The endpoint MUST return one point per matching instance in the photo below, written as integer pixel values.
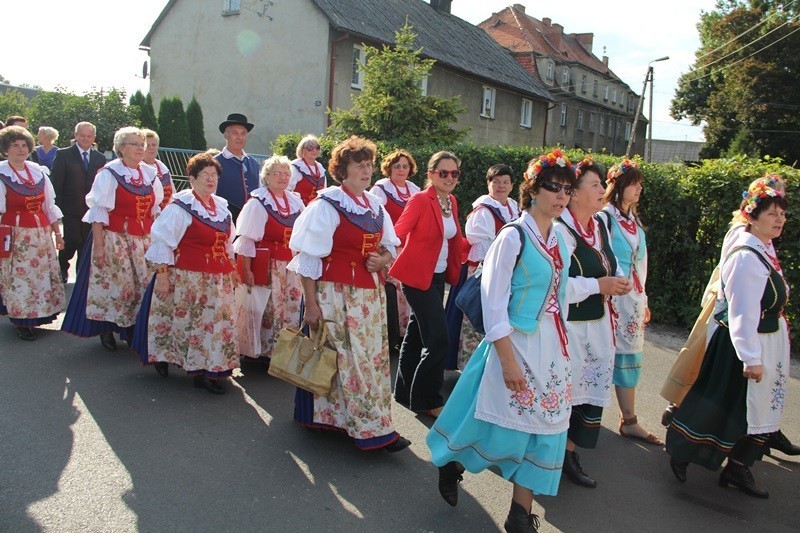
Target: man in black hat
(239, 171)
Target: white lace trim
(295, 202)
(36, 171)
(96, 214)
(245, 246)
(526, 428)
(391, 188)
(186, 196)
(345, 200)
(486, 199)
(160, 254)
(306, 265)
(148, 172)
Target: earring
(533, 200)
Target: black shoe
(740, 476)
(64, 276)
(520, 521)
(449, 478)
(400, 444)
(26, 334)
(108, 341)
(162, 368)
(780, 442)
(572, 468)
(678, 469)
(666, 416)
(214, 386)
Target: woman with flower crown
(511, 406)
(739, 395)
(594, 277)
(621, 217)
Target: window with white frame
(584, 83)
(563, 114)
(487, 104)
(231, 7)
(526, 113)
(622, 99)
(605, 93)
(550, 70)
(595, 88)
(580, 119)
(565, 77)
(627, 131)
(424, 86)
(591, 122)
(357, 73)
(614, 96)
(610, 127)
(602, 125)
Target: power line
(745, 32)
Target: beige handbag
(308, 363)
(686, 367)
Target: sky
(84, 44)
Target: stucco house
(594, 108)
(284, 62)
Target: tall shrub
(194, 118)
(173, 128)
(148, 114)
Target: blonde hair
(270, 164)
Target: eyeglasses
(401, 166)
(140, 145)
(556, 187)
(444, 173)
(207, 175)
(312, 147)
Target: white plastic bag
(250, 305)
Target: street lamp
(648, 77)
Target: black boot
(520, 521)
(780, 442)
(572, 468)
(162, 368)
(108, 341)
(449, 477)
(666, 416)
(678, 469)
(740, 476)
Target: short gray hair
(271, 163)
(150, 134)
(80, 125)
(303, 142)
(50, 133)
(124, 133)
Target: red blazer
(421, 230)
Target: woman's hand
(99, 255)
(249, 277)
(162, 288)
(235, 278)
(513, 376)
(376, 262)
(755, 372)
(59, 242)
(312, 314)
(614, 286)
(646, 315)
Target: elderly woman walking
(122, 204)
(31, 292)
(161, 170)
(308, 174)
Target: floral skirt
(530, 458)
(360, 402)
(193, 327)
(30, 280)
(283, 306)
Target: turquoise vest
(773, 300)
(586, 262)
(531, 285)
(623, 250)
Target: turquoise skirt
(533, 461)
(627, 369)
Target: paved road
(91, 441)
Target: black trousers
(75, 234)
(420, 371)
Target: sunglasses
(444, 173)
(312, 147)
(556, 187)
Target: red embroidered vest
(277, 232)
(308, 186)
(24, 204)
(133, 208)
(203, 247)
(393, 206)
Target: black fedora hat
(235, 118)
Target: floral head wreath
(620, 169)
(583, 165)
(758, 190)
(554, 158)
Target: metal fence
(176, 159)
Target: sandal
(648, 439)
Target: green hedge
(686, 212)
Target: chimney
(586, 40)
(605, 60)
(519, 7)
(554, 34)
(442, 6)
(546, 21)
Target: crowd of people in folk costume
(563, 277)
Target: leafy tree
(109, 112)
(3, 79)
(391, 105)
(136, 103)
(744, 82)
(12, 102)
(197, 134)
(148, 115)
(173, 127)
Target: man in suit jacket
(73, 173)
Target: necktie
(86, 161)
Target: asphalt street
(91, 441)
